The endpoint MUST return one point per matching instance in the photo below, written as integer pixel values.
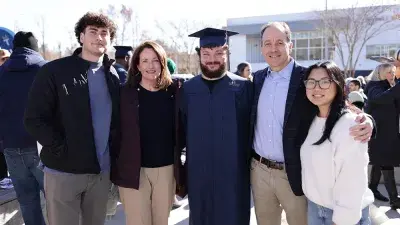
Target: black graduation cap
(122, 51)
(213, 36)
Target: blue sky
(61, 15)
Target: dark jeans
(27, 179)
(3, 166)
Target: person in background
(244, 70)
(173, 70)
(331, 160)
(20, 149)
(346, 85)
(4, 55)
(4, 180)
(355, 85)
(171, 66)
(396, 63)
(383, 104)
(356, 99)
(73, 112)
(123, 55)
(362, 81)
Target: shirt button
(270, 141)
(269, 125)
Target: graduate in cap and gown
(123, 55)
(215, 112)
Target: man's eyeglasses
(323, 84)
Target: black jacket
(16, 77)
(384, 106)
(58, 114)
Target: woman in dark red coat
(148, 162)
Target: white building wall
(269, 18)
(237, 47)
(238, 50)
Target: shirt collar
(286, 72)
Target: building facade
(309, 43)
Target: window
(302, 43)
(315, 53)
(310, 45)
(316, 43)
(387, 50)
(253, 50)
(301, 54)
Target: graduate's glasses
(323, 84)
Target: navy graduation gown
(218, 149)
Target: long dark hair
(134, 75)
(338, 105)
(240, 68)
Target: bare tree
(128, 19)
(137, 34)
(16, 26)
(184, 46)
(350, 30)
(59, 49)
(113, 14)
(41, 25)
(73, 43)
(126, 13)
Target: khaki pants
(152, 203)
(271, 193)
(74, 199)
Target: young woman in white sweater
(334, 165)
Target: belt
(269, 163)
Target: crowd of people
(299, 139)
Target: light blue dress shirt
(271, 113)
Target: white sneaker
(6, 181)
(6, 186)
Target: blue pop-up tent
(6, 38)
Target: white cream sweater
(334, 174)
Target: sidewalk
(380, 214)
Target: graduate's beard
(212, 74)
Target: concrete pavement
(380, 214)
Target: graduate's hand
(363, 130)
